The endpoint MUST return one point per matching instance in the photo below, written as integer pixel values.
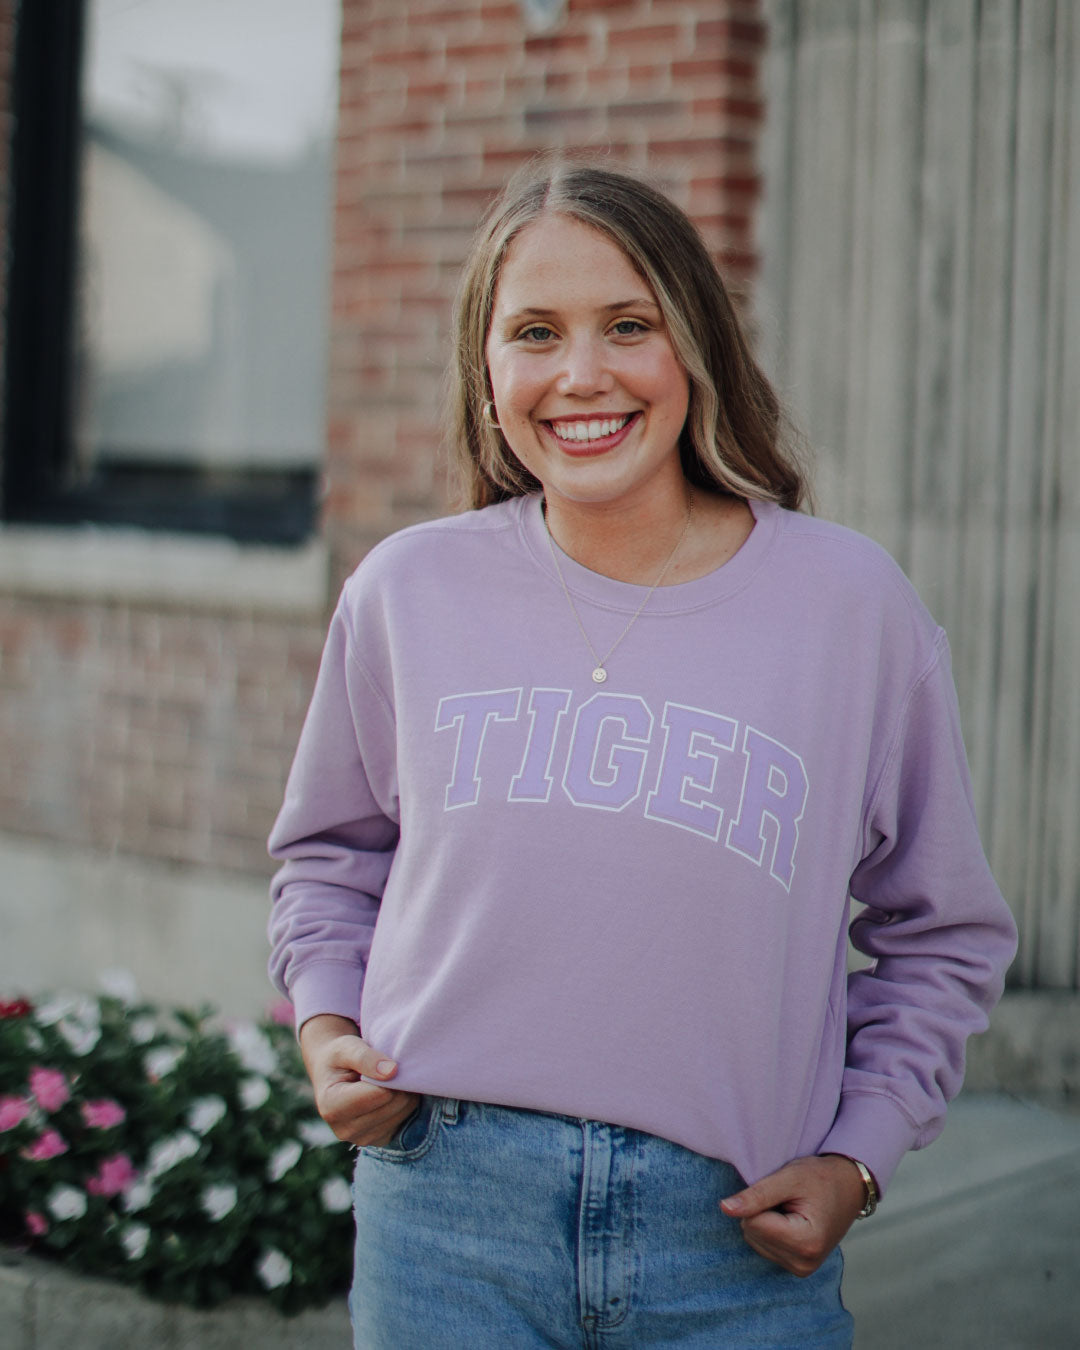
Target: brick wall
(158, 733)
(440, 101)
(168, 733)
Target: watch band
(871, 1189)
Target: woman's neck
(632, 543)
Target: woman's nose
(585, 370)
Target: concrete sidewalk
(978, 1242)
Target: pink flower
(283, 1013)
(37, 1224)
(103, 1113)
(46, 1146)
(50, 1088)
(113, 1176)
(15, 1007)
(12, 1111)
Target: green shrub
(171, 1150)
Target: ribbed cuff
(327, 987)
(870, 1127)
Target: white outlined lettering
(686, 783)
(774, 792)
(472, 714)
(533, 781)
(610, 743)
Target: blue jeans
(486, 1228)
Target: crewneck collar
(728, 579)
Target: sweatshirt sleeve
(938, 931)
(334, 837)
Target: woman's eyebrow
(537, 312)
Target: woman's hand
(797, 1215)
(335, 1057)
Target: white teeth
(593, 430)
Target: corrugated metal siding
(920, 307)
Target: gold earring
(489, 416)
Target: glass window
(189, 356)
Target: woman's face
(588, 390)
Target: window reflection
(204, 233)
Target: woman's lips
(597, 437)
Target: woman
(589, 776)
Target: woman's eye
(628, 327)
(538, 333)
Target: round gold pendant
(599, 674)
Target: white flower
(335, 1195)
(275, 1269)
(45, 1014)
(134, 1238)
(254, 1091)
(317, 1134)
(252, 1048)
(65, 1202)
(283, 1159)
(82, 1037)
(218, 1201)
(166, 1153)
(119, 984)
(161, 1062)
(76, 1007)
(143, 1029)
(138, 1195)
(205, 1112)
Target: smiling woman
(588, 391)
(569, 963)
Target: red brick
(471, 51)
(645, 109)
(561, 82)
(735, 109)
(713, 67)
(575, 44)
(646, 77)
(419, 58)
(709, 149)
(661, 37)
(745, 33)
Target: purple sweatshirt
(630, 902)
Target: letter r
(774, 795)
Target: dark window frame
(250, 505)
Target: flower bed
(170, 1151)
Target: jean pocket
(415, 1136)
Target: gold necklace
(599, 674)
